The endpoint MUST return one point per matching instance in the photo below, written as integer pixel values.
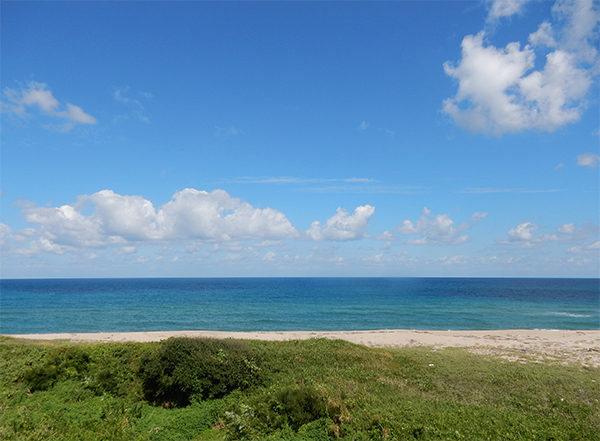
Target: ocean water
(287, 304)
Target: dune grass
(296, 390)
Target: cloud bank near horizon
(116, 220)
(195, 218)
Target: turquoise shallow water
(282, 304)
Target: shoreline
(579, 346)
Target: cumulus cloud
(120, 220)
(269, 257)
(590, 249)
(38, 95)
(129, 217)
(437, 230)
(588, 160)
(342, 226)
(218, 216)
(4, 230)
(524, 235)
(5, 233)
(574, 234)
(500, 92)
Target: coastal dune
(581, 347)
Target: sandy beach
(581, 347)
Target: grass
(300, 390)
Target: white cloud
(498, 92)
(342, 226)
(269, 243)
(4, 230)
(478, 215)
(377, 258)
(270, 256)
(130, 217)
(126, 250)
(454, 260)
(37, 95)
(218, 216)
(76, 114)
(5, 234)
(119, 220)
(386, 236)
(524, 235)
(436, 230)
(590, 249)
(65, 226)
(588, 160)
(504, 8)
(571, 233)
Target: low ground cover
(199, 389)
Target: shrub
(64, 363)
(300, 406)
(293, 410)
(183, 369)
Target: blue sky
(432, 138)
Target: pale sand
(580, 347)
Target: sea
(292, 304)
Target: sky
(284, 139)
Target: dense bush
(69, 363)
(292, 409)
(102, 368)
(183, 369)
(297, 407)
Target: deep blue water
(281, 304)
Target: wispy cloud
(506, 190)
(371, 189)
(225, 131)
(37, 95)
(330, 185)
(365, 125)
(293, 180)
(137, 109)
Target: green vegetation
(203, 389)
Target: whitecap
(568, 314)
